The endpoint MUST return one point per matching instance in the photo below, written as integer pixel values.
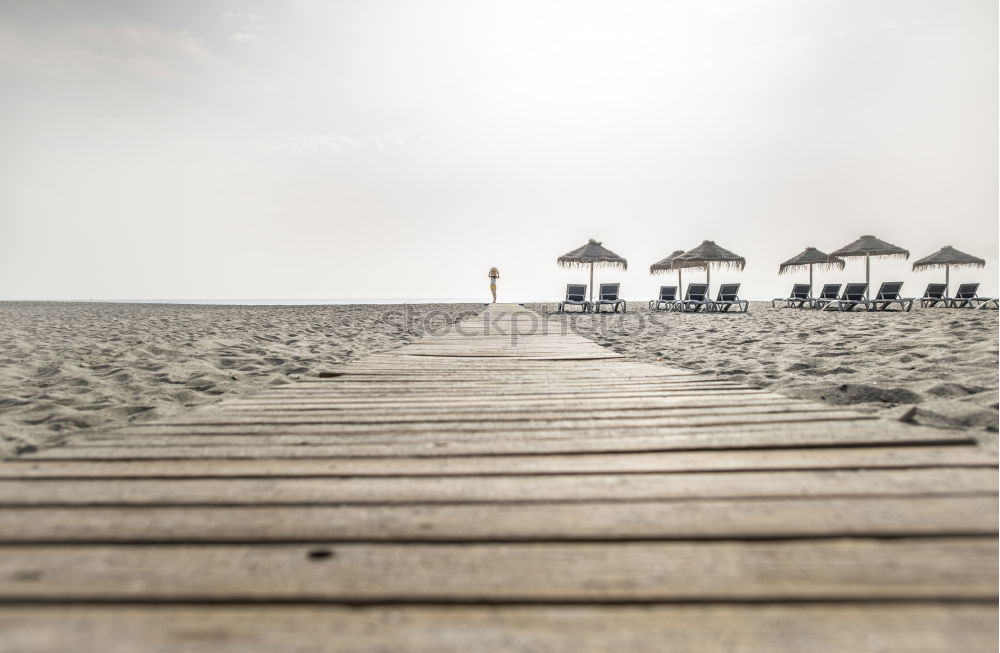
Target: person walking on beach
(494, 275)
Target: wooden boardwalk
(482, 490)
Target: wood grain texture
(504, 485)
(816, 628)
(549, 521)
(849, 569)
(670, 461)
(474, 488)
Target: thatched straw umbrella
(591, 254)
(946, 257)
(667, 265)
(809, 257)
(869, 246)
(709, 255)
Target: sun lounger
(986, 301)
(888, 294)
(935, 294)
(727, 298)
(608, 297)
(827, 294)
(797, 298)
(695, 298)
(852, 297)
(666, 299)
(966, 297)
(576, 295)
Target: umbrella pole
(708, 281)
(591, 282)
(947, 279)
(680, 285)
(810, 279)
(868, 281)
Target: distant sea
(282, 302)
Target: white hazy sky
(241, 149)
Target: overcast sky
(243, 149)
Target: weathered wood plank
(674, 461)
(303, 438)
(520, 443)
(453, 470)
(594, 402)
(414, 439)
(466, 489)
(607, 521)
(549, 411)
(850, 569)
(817, 628)
(542, 405)
(567, 427)
(390, 422)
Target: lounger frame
(936, 293)
(608, 296)
(727, 298)
(695, 298)
(666, 300)
(797, 298)
(966, 297)
(852, 297)
(829, 293)
(887, 295)
(576, 295)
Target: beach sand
(935, 366)
(65, 367)
(71, 366)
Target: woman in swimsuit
(494, 275)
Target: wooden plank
(606, 521)
(206, 423)
(496, 440)
(787, 433)
(539, 405)
(234, 438)
(593, 401)
(461, 490)
(392, 423)
(817, 628)
(674, 461)
(485, 378)
(849, 569)
(420, 390)
(471, 489)
(521, 443)
(646, 412)
(391, 362)
(402, 367)
(519, 410)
